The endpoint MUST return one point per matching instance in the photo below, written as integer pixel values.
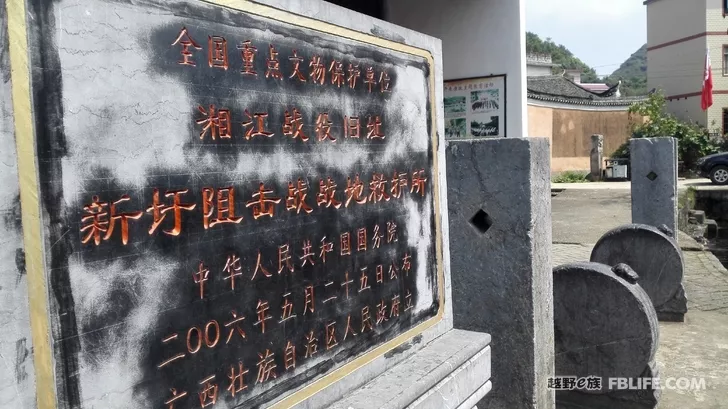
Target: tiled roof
(556, 88)
(594, 87)
(542, 64)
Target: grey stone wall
(500, 242)
(654, 181)
(17, 377)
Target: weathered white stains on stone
(419, 232)
(124, 118)
(410, 95)
(111, 376)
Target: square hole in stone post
(481, 221)
(652, 176)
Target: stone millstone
(655, 256)
(604, 322)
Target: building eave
(574, 107)
(617, 102)
(542, 64)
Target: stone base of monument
(639, 394)
(453, 371)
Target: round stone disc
(655, 257)
(604, 325)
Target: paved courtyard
(696, 348)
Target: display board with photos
(475, 108)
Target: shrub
(693, 141)
(622, 152)
(570, 176)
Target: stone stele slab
(228, 203)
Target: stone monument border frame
(294, 14)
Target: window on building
(725, 59)
(725, 7)
(725, 121)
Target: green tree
(632, 73)
(693, 141)
(559, 55)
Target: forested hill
(559, 55)
(632, 72)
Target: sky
(602, 33)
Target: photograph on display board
(455, 107)
(475, 107)
(483, 126)
(455, 128)
(485, 101)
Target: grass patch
(570, 176)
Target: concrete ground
(696, 348)
(683, 183)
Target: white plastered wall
(479, 38)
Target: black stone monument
(233, 203)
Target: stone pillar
(596, 157)
(500, 244)
(654, 182)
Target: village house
(568, 112)
(676, 55)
